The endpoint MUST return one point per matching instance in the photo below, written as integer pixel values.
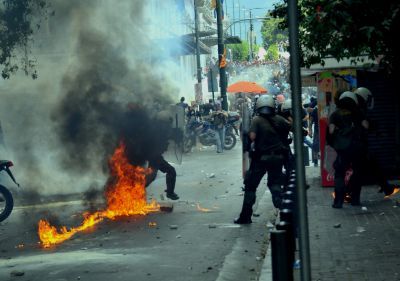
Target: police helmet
(364, 93)
(265, 104)
(349, 95)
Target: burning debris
(395, 190)
(125, 195)
(202, 209)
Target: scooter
(6, 199)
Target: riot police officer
(345, 137)
(267, 133)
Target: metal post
(240, 25)
(196, 28)
(301, 199)
(212, 84)
(222, 73)
(233, 16)
(291, 244)
(279, 256)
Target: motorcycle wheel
(230, 141)
(6, 203)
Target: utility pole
(251, 38)
(233, 17)
(222, 73)
(196, 28)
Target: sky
(241, 29)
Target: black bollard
(288, 194)
(291, 240)
(282, 270)
(287, 204)
(291, 187)
(286, 215)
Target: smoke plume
(98, 85)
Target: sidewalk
(353, 243)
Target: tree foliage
(271, 32)
(347, 29)
(272, 52)
(18, 20)
(240, 52)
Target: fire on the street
(201, 209)
(395, 190)
(125, 195)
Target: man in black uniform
(372, 167)
(267, 133)
(345, 137)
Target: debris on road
(173, 226)
(212, 225)
(364, 208)
(337, 225)
(167, 207)
(17, 273)
(360, 229)
(152, 224)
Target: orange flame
(395, 190)
(125, 195)
(202, 209)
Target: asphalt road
(204, 245)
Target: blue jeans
(220, 138)
(307, 141)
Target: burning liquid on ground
(125, 195)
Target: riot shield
(175, 146)
(246, 121)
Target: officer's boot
(355, 196)
(247, 208)
(339, 199)
(276, 192)
(171, 179)
(340, 188)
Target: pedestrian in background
(208, 108)
(183, 104)
(313, 132)
(218, 119)
(268, 132)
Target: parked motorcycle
(233, 122)
(6, 199)
(204, 132)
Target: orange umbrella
(246, 87)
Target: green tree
(272, 52)
(347, 29)
(272, 33)
(240, 52)
(18, 19)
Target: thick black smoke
(106, 102)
